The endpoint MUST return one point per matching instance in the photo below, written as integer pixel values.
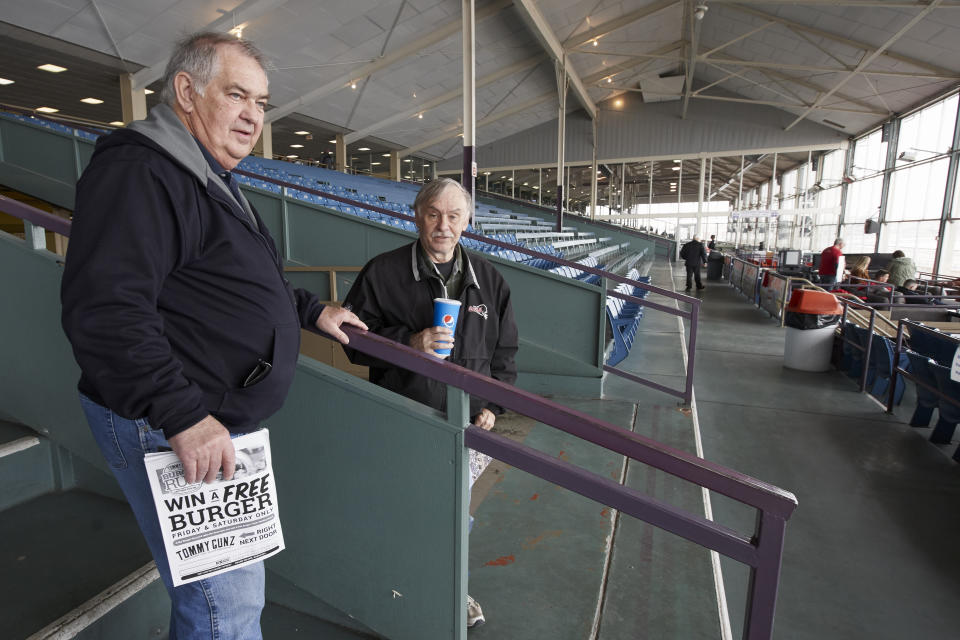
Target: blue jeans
(224, 607)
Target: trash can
(715, 266)
(811, 322)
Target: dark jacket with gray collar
(393, 295)
(173, 290)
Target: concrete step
(26, 470)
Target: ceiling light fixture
(595, 42)
(147, 92)
(609, 79)
(291, 157)
(420, 115)
(407, 160)
(4, 81)
(46, 109)
(92, 100)
(296, 146)
(300, 133)
(332, 141)
(364, 149)
(374, 164)
(236, 32)
(353, 84)
(52, 68)
(116, 123)
(675, 168)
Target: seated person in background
(877, 293)
(901, 268)
(911, 296)
(858, 269)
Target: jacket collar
(165, 129)
(469, 276)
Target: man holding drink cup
(434, 297)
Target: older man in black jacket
(694, 256)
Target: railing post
(866, 352)
(895, 369)
(458, 415)
(691, 350)
(764, 578)
(35, 236)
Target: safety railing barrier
(852, 341)
(692, 315)
(899, 348)
(745, 277)
(761, 551)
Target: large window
(916, 239)
(928, 132)
(863, 199)
(869, 155)
(916, 192)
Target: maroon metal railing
(761, 551)
(686, 394)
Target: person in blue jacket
(176, 305)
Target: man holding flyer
(175, 303)
(434, 297)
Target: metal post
(540, 186)
(948, 195)
(764, 577)
(895, 371)
(889, 165)
(469, 100)
(593, 172)
(562, 83)
(698, 230)
(35, 236)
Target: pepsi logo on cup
(448, 321)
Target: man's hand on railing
(332, 317)
(485, 419)
(432, 338)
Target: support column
(703, 176)
(540, 186)
(513, 183)
(893, 135)
(341, 154)
(948, 197)
(395, 166)
(264, 146)
(593, 170)
(562, 84)
(469, 99)
(133, 101)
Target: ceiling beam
(787, 105)
(246, 12)
(863, 46)
(442, 99)
(433, 37)
(693, 45)
(453, 132)
(541, 29)
(617, 23)
(774, 74)
(817, 69)
(635, 61)
(867, 59)
(891, 4)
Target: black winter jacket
(173, 291)
(693, 254)
(394, 298)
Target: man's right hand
(432, 338)
(203, 449)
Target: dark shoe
(686, 288)
(701, 287)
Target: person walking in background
(713, 243)
(694, 256)
(830, 259)
(901, 268)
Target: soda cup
(445, 314)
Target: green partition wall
(373, 487)
(561, 321)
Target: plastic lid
(810, 301)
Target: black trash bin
(715, 266)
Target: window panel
(863, 199)
(930, 130)
(916, 239)
(869, 155)
(916, 192)
(950, 261)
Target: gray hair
(432, 190)
(838, 242)
(198, 56)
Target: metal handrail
(762, 551)
(897, 371)
(693, 315)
